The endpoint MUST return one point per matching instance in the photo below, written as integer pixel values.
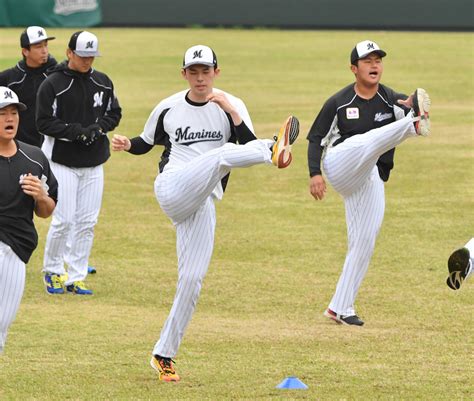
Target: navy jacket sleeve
(110, 120)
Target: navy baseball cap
(8, 97)
(199, 54)
(33, 35)
(363, 49)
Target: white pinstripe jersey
(187, 129)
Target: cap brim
(42, 40)
(21, 106)
(198, 63)
(86, 54)
(380, 52)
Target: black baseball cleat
(459, 264)
(350, 320)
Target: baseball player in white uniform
(353, 140)
(460, 265)
(198, 128)
(27, 186)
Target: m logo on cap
(8, 94)
(90, 45)
(197, 53)
(370, 45)
(40, 33)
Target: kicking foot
(421, 108)
(281, 151)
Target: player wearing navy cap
(27, 186)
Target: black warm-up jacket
(25, 81)
(69, 102)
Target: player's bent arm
(236, 119)
(46, 122)
(221, 100)
(243, 133)
(44, 204)
(110, 120)
(44, 207)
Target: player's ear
(354, 69)
(217, 71)
(183, 73)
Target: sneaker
(79, 288)
(54, 284)
(352, 320)
(421, 108)
(91, 270)
(459, 264)
(281, 151)
(165, 368)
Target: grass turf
(278, 253)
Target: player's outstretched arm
(120, 142)
(317, 187)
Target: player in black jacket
(27, 186)
(26, 77)
(353, 140)
(77, 106)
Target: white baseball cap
(364, 48)
(33, 35)
(199, 54)
(84, 44)
(8, 97)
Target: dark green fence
(313, 14)
(345, 14)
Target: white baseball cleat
(281, 151)
(421, 108)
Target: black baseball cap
(363, 49)
(33, 35)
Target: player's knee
(85, 226)
(191, 281)
(62, 226)
(366, 241)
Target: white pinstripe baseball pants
(350, 167)
(79, 200)
(185, 197)
(470, 247)
(12, 284)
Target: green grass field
(278, 253)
